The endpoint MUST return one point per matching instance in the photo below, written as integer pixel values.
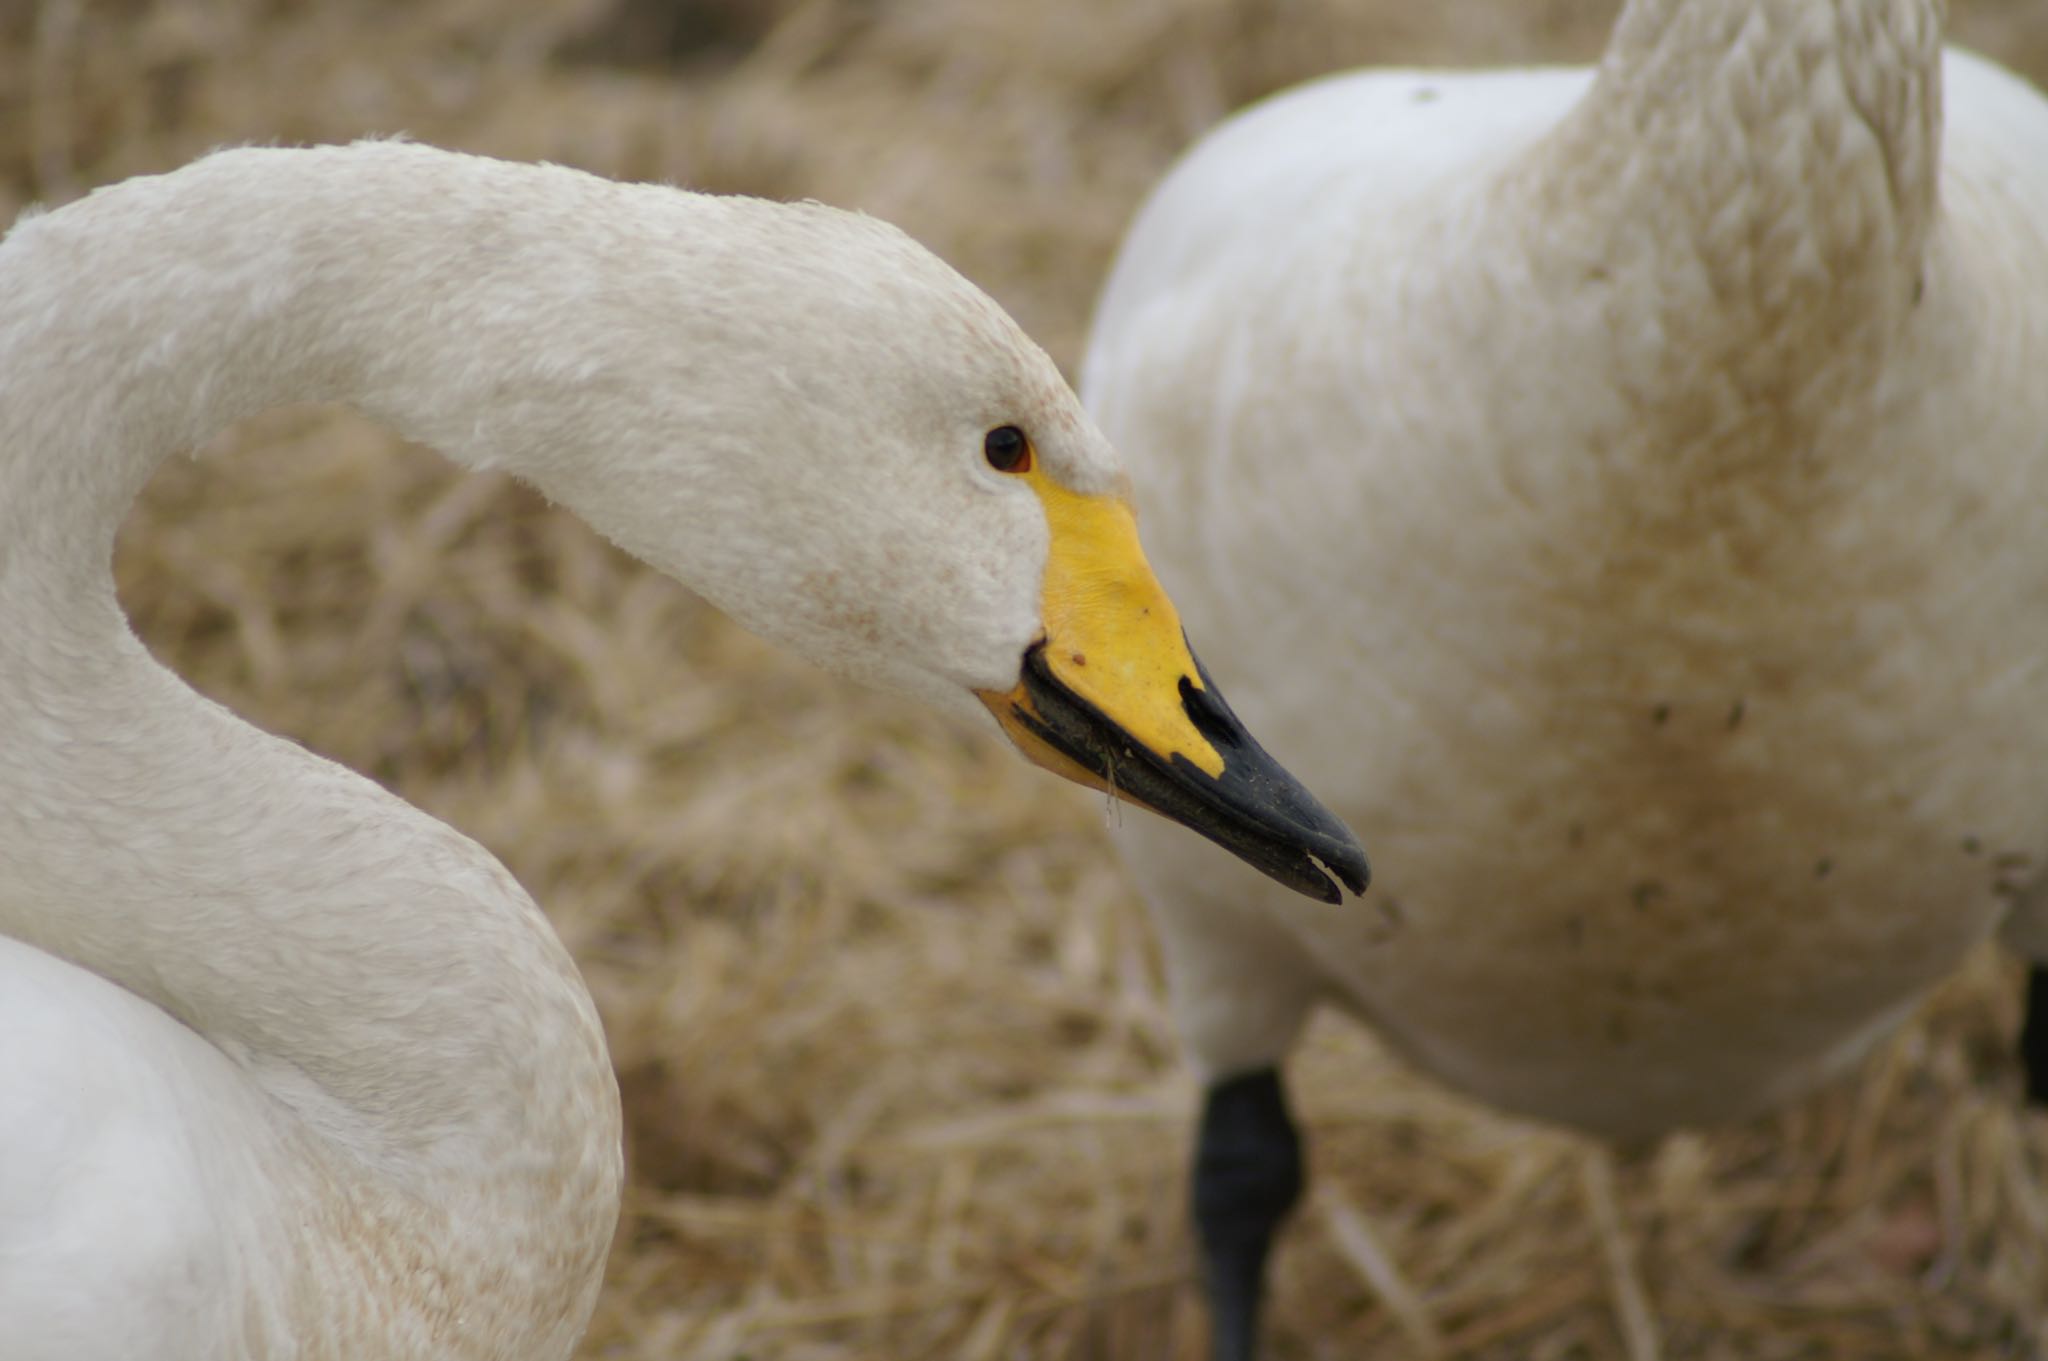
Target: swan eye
(1007, 450)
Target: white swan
(292, 1070)
(1655, 456)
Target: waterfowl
(293, 1070)
(1651, 459)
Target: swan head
(853, 451)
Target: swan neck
(1776, 129)
(1742, 206)
(376, 975)
(150, 316)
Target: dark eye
(1007, 450)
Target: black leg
(2034, 1036)
(1248, 1175)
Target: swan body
(295, 1071)
(1654, 457)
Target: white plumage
(1619, 492)
(292, 1070)
(1651, 461)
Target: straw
(899, 1074)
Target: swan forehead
(1076, 455)
(1074, 452)
(982, 355)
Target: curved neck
(1737, 217)
(1795, 104)
(429, 290)
(377, 973)
(1775, 162)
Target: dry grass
(899, 1078)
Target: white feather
(292, 1070)
(1617, 493)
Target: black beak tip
(1352, 868)
(1337, 858)
(1252, 808)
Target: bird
(1617, 489)
(294, 1070)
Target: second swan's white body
(1655, 459)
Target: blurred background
(898, 1075)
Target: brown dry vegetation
(898, 1075)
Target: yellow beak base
(1112, 697)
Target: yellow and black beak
(1112, 696)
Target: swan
(1653, 457)
(293, 1070)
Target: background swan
(299, 1071)
(1655, 456)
